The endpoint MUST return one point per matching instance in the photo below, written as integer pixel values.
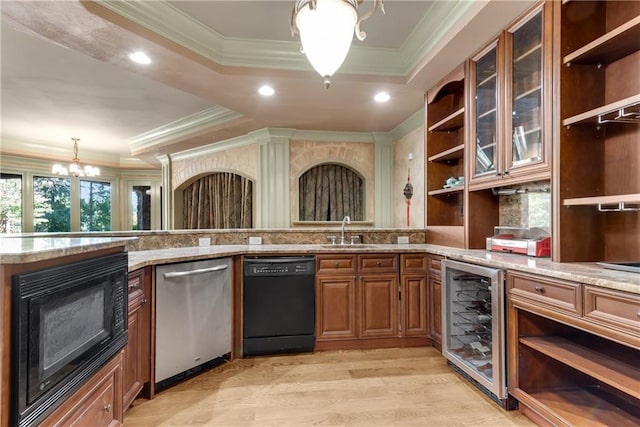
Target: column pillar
(383, 194)
(272, 188)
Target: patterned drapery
(328, 192)
(219, 200)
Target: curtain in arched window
(329, 192)
(219, 200)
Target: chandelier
(74, 168)
(326, 29)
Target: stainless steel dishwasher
(193, 318)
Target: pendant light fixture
(75, 169)
(326, 29)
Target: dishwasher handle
(174, 274)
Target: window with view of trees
(10, 203)
(51, 204)
(95, 206)
(141, 207)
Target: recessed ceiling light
(140, 57)
(266, 90)
(382, 97)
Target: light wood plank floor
(402, 387)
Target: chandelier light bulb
(75, 169)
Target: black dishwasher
(278, 305)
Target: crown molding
(182, 128)
(170, 22)
(413, 122)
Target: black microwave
(67, 322)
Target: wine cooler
(473, 336)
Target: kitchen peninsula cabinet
(137, 352)
(510, 113)
(598, 162)
(358, 305)
(587, 337)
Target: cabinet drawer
(335, 264)
(618, 310)
(435, 262)
(378, 263)
(135, 289)
(414, 263)
(560, 295)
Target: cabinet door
(484, 84)
(526, 88)
(414, 305)
(335, 307)
(132, 365)
(435, 309)
(378, 306)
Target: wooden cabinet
(444, 152)
(98, 403)
(510, 113)
(137, 352)
(360, 303)
(434, 297)
(413, 277)
(335, 307)
(598, 156)
(591, 350)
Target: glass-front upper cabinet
(526, 63)
(512, 96)
(484, 72)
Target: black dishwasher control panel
(281, 266)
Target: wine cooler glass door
(473, 320)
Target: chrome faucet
(346, 220)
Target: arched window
(328, 192)
(219, 200)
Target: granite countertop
(30, 249)
(586, 272)
(18, 250)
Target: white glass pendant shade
(326, 33)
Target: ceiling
(65, 72)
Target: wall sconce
(326, 29)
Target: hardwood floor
(402, 387)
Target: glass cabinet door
(526, 93)
(486, 113)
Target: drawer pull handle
(378, 263)
(107, 407)
(337, 264)
(133, 287)
(144, 301)
(539, 289)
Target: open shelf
(612, 46)
(602, 200)
(446, 191)
(452, 122)
(591, 117)
(456, 152)
(583, 406)
(604, 368)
